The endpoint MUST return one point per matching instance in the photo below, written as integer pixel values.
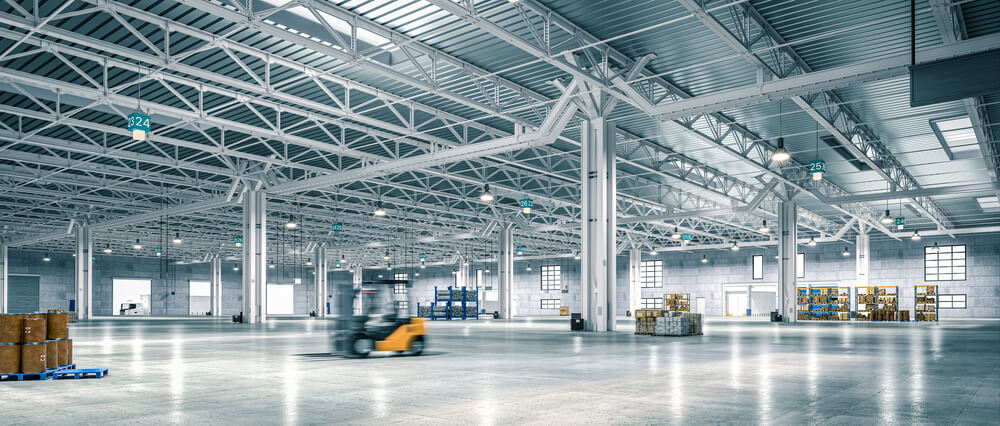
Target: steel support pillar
(3, 279)
(84, 272)
(357, 279)
(216, 284)
(634, 282)
(255, 257)
(506, 269)
(320, 267)
(598, 227)
(787, 250)
(863, 260)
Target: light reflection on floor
(496, 372)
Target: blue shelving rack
(451, 302)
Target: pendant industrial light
(107, 249)
(46, 258)
(137, 245)
(936, 248)
(676, 235)
(817, 167)
(309, 262)
(781, 154)
(887, 218)
(812, 242)
(386, 256)
(528, 268)
(486, 196)
(236, 267)
(576, 255)
(846, 252)
(916, 236)
(379, 210)
(271, 265)
(177, 238)
(704, 258)
(291, 223)
(763, 227)
(735, 246)
(652, 251)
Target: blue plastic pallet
(34, 376)
(80, 374)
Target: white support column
(3, 279)
(506, 269)
(598, 227)
(255, 257)
(84, 273)
(634, 283)
(787, 250)
(216, 286)
(319, 260)
(863, 260)
(358, 279)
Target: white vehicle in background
(131, 308)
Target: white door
(699, 305)
(280, 299)
(200, 298)
(736, 304)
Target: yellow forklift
(390, 330)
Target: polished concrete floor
(524, 372)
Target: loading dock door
(22, 294)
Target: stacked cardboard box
(673, 326)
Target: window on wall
(651, 303)
(944, 263)
(951, 301)
(551, 303)
(401, 305)
(757, 267)
(399, 288)
(551, 278)
(800, 265)
(651, 273)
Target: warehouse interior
(500, 211)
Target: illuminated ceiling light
(465, 263)
(270, 266)
(676, 235)
(386, 257)
(351, 270)
(291, 224)
(652, 251)
(486, 196)
(297, 280)
(916, 236)
(526, 205)
(528, 268)
(781, 154)
(936, 248)
(704, 258)
(735, 246)
(236, 267)
(309, 262)
(177, 238)
(388, 267)
(137, 246)
(46, 258)
(487, 270)
(846, 252)
(812, 242)
(887, 218)
(454, 272)
(107, 250)
(379, 210)
(416, 274)
(763, 227)
(576, 255)
(422, 266)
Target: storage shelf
(823, 303)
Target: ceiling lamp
(846, 252)
(379, 210)
(297, 280)
(936, 248)
(137, 246)
(526, 205)
(386, 257)
(270, 265)
(781, 154)
(676, 235)
(46, 258)
(528, 268)
(812, 242)
(704, 258)
(416, 274)
(486, 196)
(652, 251)
(177, 238)
(763, 227)
(735, 246)
(916, 236)
(576, 255)
(236, 267)
(388, 267)
(107, 250)
(422, 266)
(309, 262)
(887, 218)
(454, 272)
(291, 223)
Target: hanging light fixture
(812, 242)
(107, 250)
(297, 280)
(652, 251)
(386, 256)
(291, 223)
(763, 227)
(576, 255)
(846, 252)
(936, 248)
(676, 235)
(137, 245)
(309, 262)
(526, 205)
(388, 267)
(887, 218)
(916, 236)
(781, 154)
(486, 196)
(236, 267)
(379, 210)
(528, 268)
(177, 238)
(46, 258)
(735, 246)
(704, 258)
(270, 265)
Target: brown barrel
(56, 326)
(35, 315)
(51, 354)
(10, 328)
(33, 330)
(63, 345)
(33, 357)
(69, 351)
(10, 358)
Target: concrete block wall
(55, 278)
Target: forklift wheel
(359, 345)
(417, 345)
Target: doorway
(200, 298)
(130, 297)
(22, 294)
(736, 303)
(280, 299)
(699, 306)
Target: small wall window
(401, 305)
(551, 303)
(551, 278)
(951, 301)
(944, 263)
(800, 265)
(757, 266)
(400, 288)
(651, 273)
(652, 303)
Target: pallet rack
(456, 305)
(676, 303)
(879, 303)
(823, 303)
(925, 302)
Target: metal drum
(33, 330)
(51, 354)
(35, 315)
(10, 358)
(63, 358)
(56, 326)
(69, 351)
(10, 328)
(33, 357)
